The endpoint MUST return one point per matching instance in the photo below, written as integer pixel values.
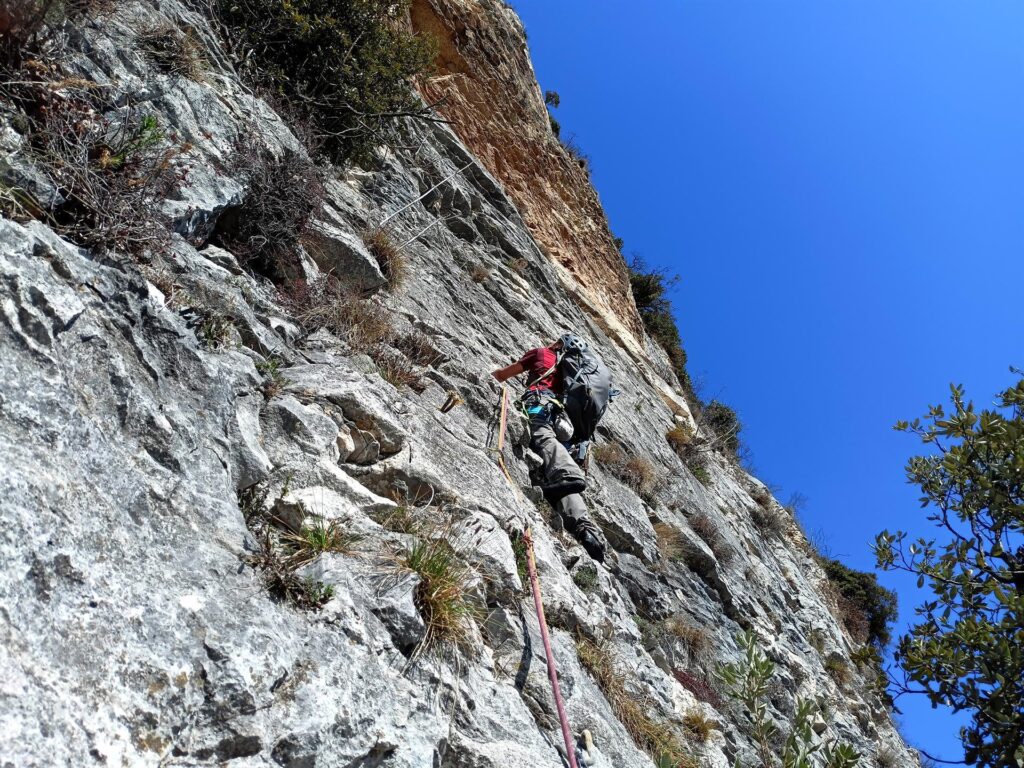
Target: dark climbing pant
(562, 479)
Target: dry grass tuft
(699, 686)
(838, 670)
(389, 256)
(419, 348)
(325, 303)
(671, 544)
(708, 530)
(656, 738)
(397, 370)
(679, 437)
(478, 273)
(696, 640)
(636, 472)
(174, 52)
(698, 727)
(443, 594)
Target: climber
(561, 478)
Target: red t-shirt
(539, 361)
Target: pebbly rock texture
(151, 413)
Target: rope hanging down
(531, 565)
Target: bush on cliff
(649, 287)
(344, 64)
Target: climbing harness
(531, 565)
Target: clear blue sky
(841, 187)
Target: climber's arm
(507, 373)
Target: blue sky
(840, 186)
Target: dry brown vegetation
(698, 727)
(708, 530)
(443, 595)
(656, 738)
(478, 273)
(173, 51)
(671, 544)
(282, 194)
(679, 437)
(636, 472)
(393, 263)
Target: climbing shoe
(590, 542)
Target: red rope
(552, 672)
(535, 585)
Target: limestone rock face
(150, 411)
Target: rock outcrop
(151, 412)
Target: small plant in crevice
(395, 369)
(698, 727)
(478, 273)
(280, 578)
(749, 682)
(215, 331)
(679, 437)
(816, 638)
(520, 266)
(585, 577)
(838, 670)
(418, 348)
(392, 262)
(400, 519)
(655, 737)
(519, 549)
(317, 538)
(697, 464)
(281, 552)
(671, 543)
(273, 379)
(699, 685)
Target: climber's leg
(561, 475)
(574, 515)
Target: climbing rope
(531, 565)
(552, 671)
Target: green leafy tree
(748, 682)
(967, 649)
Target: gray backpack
(586, 386)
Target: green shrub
(748, 682)
(344, 64)
(722, 420)
(863, 595)
(585, 577)
(649, 287)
